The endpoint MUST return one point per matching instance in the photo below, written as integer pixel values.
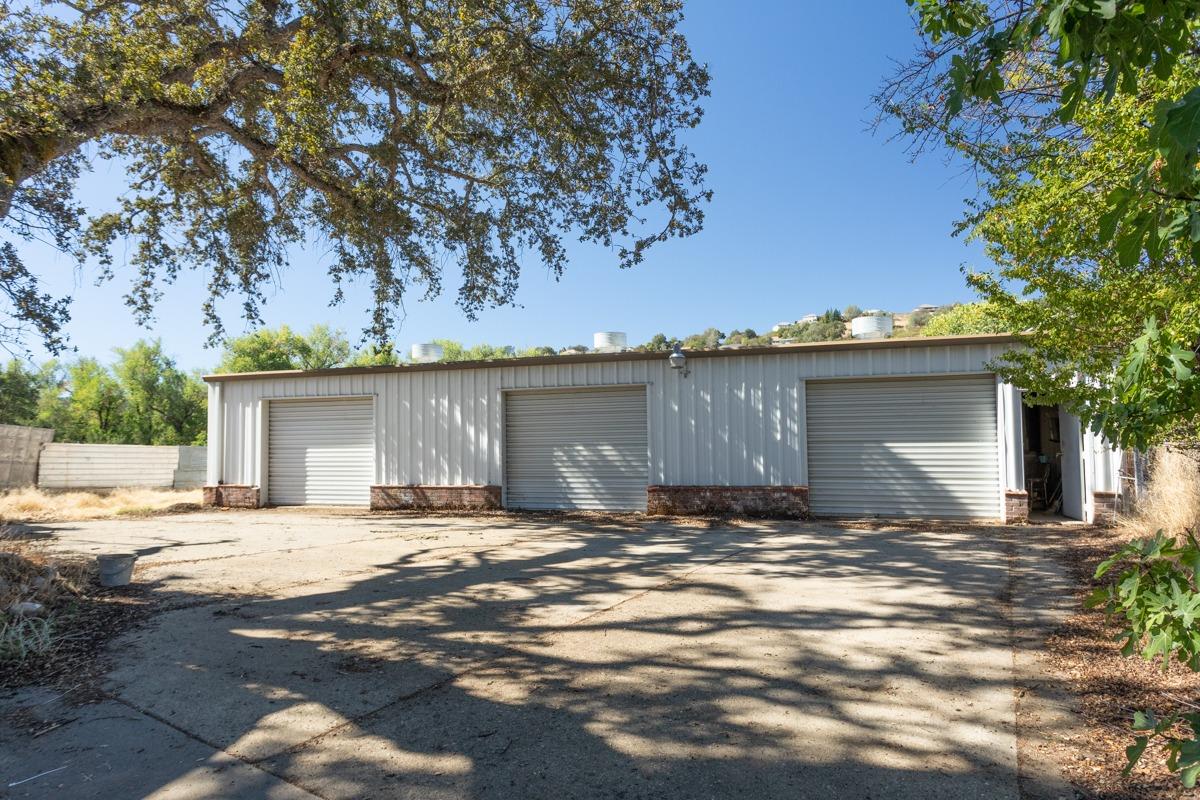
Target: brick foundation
(789, 502)
(467, 498)
(1104, 505)
(1016, 507)
(229, 495)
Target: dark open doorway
(1043, 459)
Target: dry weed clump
(1172, 499)
(55, 618)
(35, 591)
(38, 505)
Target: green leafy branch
(1156, 594)
(1156, 387)
(1183, 753)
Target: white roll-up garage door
(922, 448)
(576, 449)
(321, 452)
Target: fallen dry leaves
(1110, 687)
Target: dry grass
(37, 505)
(1172, 500)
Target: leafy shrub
(1157, 596)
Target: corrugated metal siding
(568, 448)
(732, 421)
(924, 448)
(321, 452)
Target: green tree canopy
(375, 355)
(660, 342)
(1080, 119)
(400, 136)
(543, 350)
(143, 398)
(263, 350)
(163, 404)
(457, 351)
(963, 319)
(708, 339)
(281, 348)
(93, 407)
(747, 338)
(20, 388)
(324, 348)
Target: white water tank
(608, 341)
(426, 353)
(875, 326)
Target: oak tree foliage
(402, 140)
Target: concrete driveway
(301, 654)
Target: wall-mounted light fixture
(678, 361)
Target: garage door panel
(321, 451)
(912, 447)
(581, 449)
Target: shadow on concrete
(635, 659)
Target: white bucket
(116, 569)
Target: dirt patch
(55, 618)
(1110, 687)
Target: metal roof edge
(630, 355)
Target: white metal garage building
(896, 427)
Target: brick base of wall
(231, 496)
(467, 498)
(1104, 505)
(1016, 507)
(788, 502)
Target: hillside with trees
(143, 397)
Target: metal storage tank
(427, 353)
(871, 327)
(608, 341)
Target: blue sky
(811, 210)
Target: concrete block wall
(111, 466)
(20, 447)
(193, 465)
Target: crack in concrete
(200, 739)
